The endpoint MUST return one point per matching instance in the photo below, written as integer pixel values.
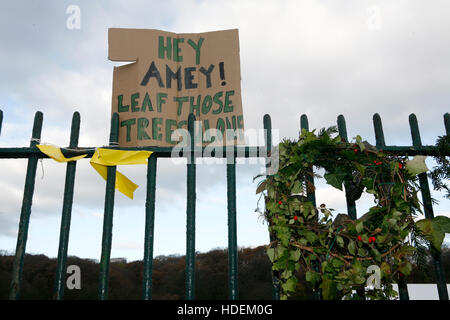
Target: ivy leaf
(335, 179)
(359, 227)
(340, 241)
(295, 255)
(362, 252)
(310, 236)
(351, 247)
(286, 274)
(290, 284)
(442, 222)
(271, 254)
(432, 232)
(358, 140)
(312, 277)
(360, 167)
(405, 267)
(328, 288)
(417, 165)
(297, 188)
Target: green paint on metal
(267, 123)
(149, 226)
(310, 195)
(351, 205)
(447, 123)
(1, 121)
(379, 135)
(108, 215)
(66, 211)
(232, 233)
(33, 154)
(429, 214)
(166, 152)
(25, 211)
(381, 144)
(190, 215)
(342, 128)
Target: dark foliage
(168, 276)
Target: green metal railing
(33, 154)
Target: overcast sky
(320, 58)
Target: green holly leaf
(417, 165)
(335, 179)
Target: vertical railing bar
(310, 194)
(311, 197)
(190, 214)
(447, 123)
(25, 213)
(233, 292)
(429, 214)
(149, 226)
(108, 214)
(351, 205)
(378, 128)
(380, 144)
(66, 211)
(1, 120)
(267, 123)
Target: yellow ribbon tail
(56, 154)
(103, 158)
(123, 184)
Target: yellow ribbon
(56, 154)
(103, 158)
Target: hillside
(168, 276)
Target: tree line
(126, 278)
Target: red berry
(375, 161)
(355, 150)
(295, 218)
(359, 238)
(279, 202)
(400, 166)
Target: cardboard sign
(173, 75)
